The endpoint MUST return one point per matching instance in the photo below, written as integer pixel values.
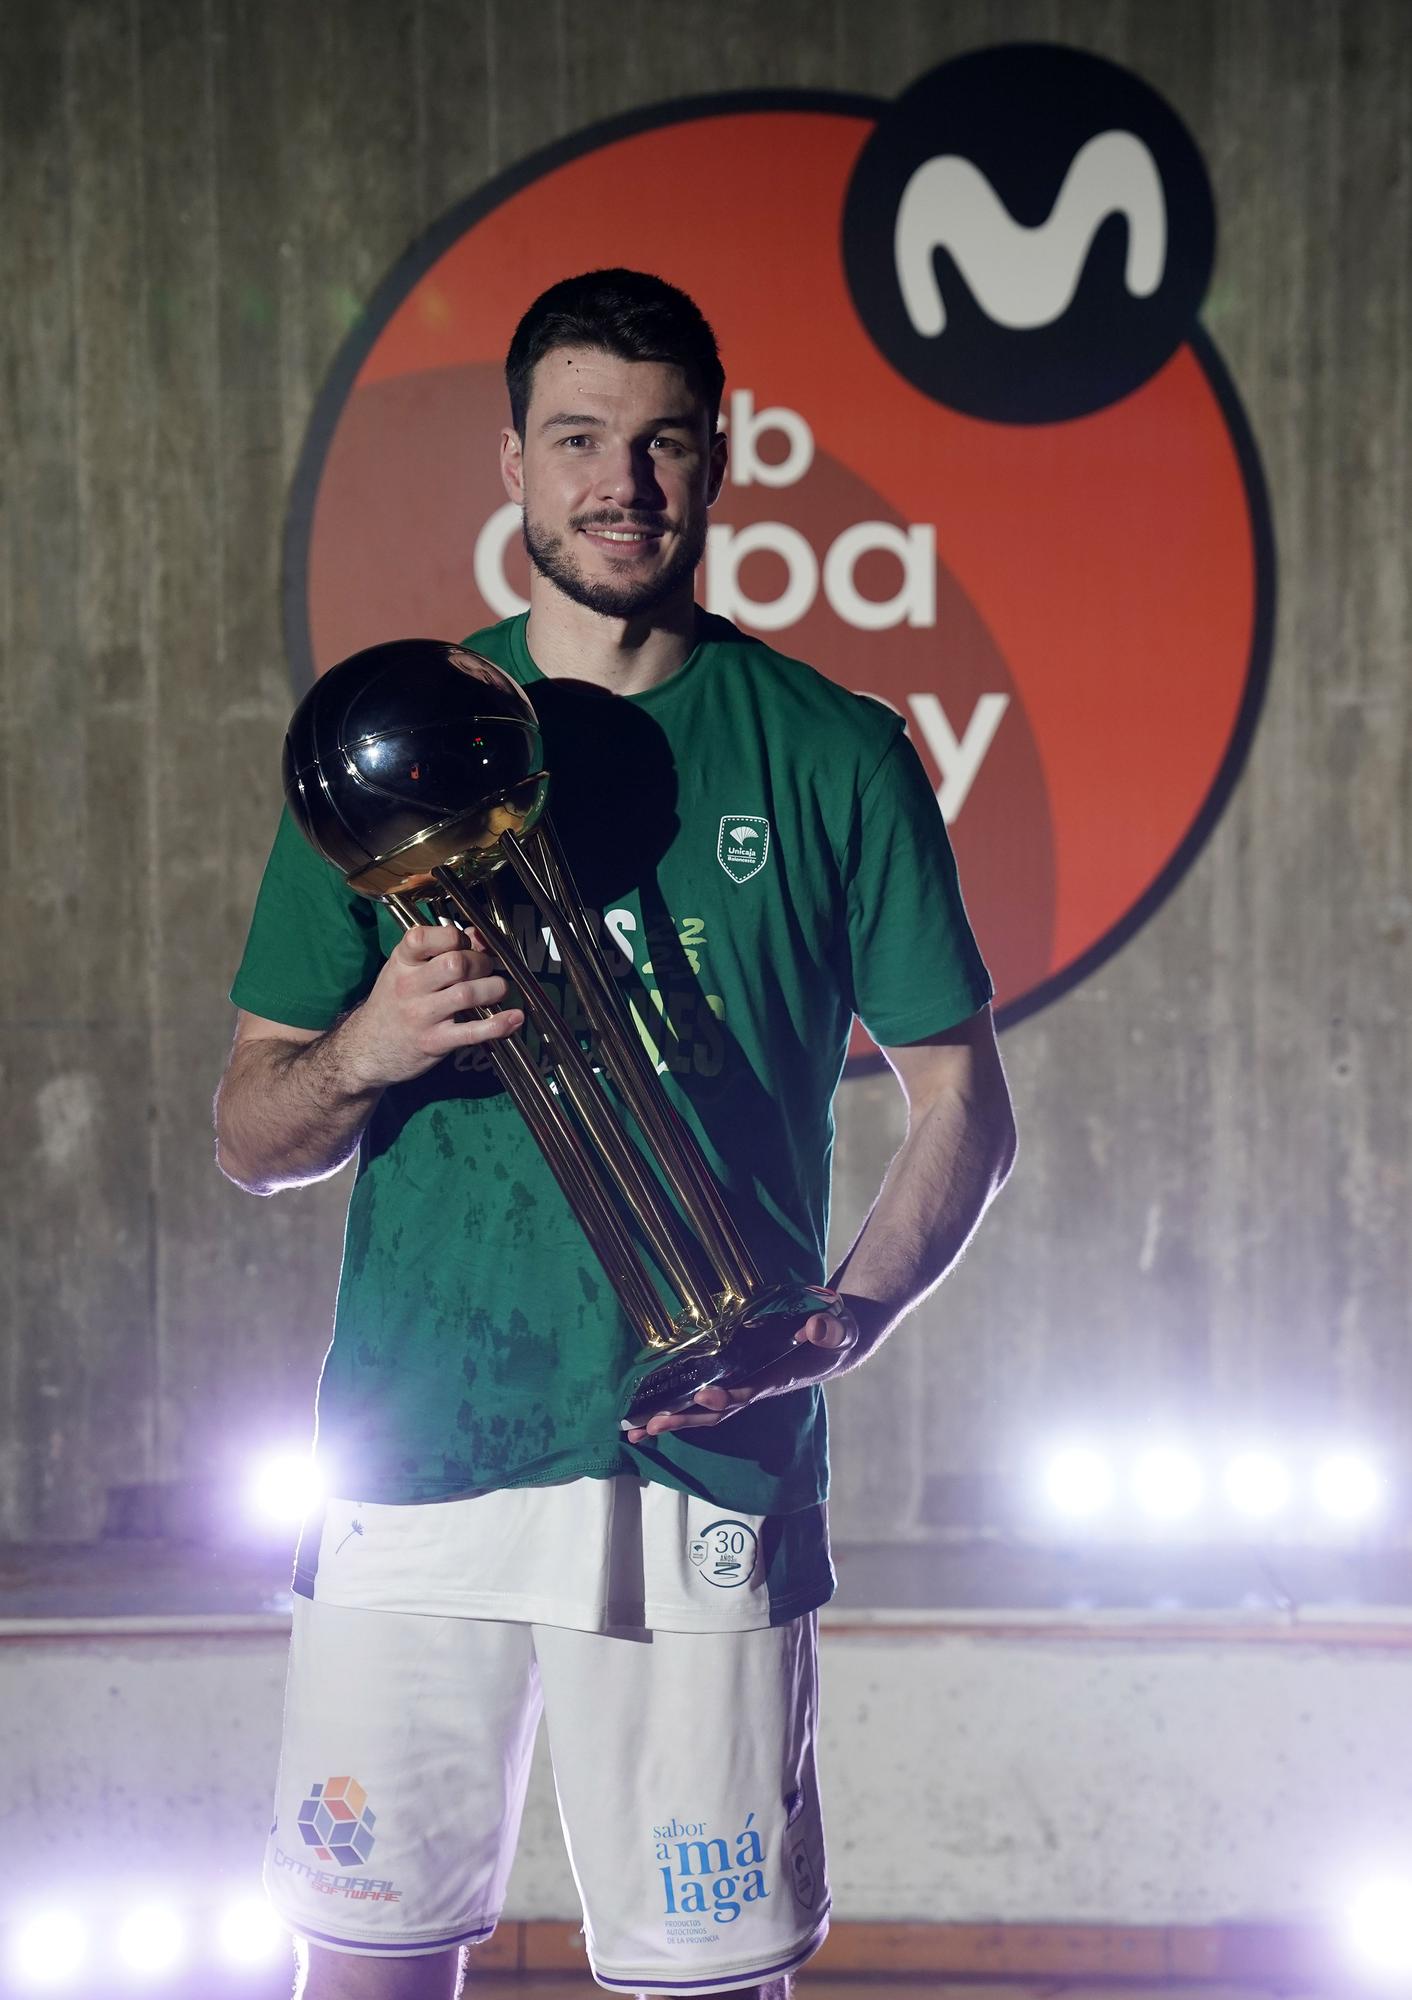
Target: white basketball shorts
(684, 1764)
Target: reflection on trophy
(416, 769)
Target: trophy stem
(405, 911)
(558, 1141)
(676, 1249)
(625, 1059)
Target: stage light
(151, 1939)
(1078, 1483)
(283, 1487)
(249, 1933)
(1348, 1486)
(1168, 1484)
(48, 1950)
(1380, 1926)
(1257, 1485)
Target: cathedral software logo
(986, 463)
(335, 1821)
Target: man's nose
(627, 475)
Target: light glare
(1380, 1925)
(1078, 1483)
(152, 1939)
(1348, 1486)
(1168, 1484)
(1257, 1485)
(251, 1934)
(283, 1487)
(49, 1949)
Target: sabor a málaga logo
(985, 462)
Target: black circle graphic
(1029, 329)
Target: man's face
(615, 473)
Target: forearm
(290, 1112)
(952, 1164)
(959, 1148)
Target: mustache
(652, 523)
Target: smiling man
(770, 860)
(647, 546)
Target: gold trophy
(416, 769)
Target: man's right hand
(416, 1011)
(293, 1102)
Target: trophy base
(744, 1341)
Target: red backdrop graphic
(1073, 616)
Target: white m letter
(1027, 277)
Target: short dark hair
(627, 313)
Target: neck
(624, 655)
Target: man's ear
(512, 465)
(720, 459)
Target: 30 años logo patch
(743, 845)
(725, 1553)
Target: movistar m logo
(1028, 234)
(1027, 277)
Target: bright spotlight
(1380, 1925)
(1168, 1484)
(1257, 1485)
(251, 1934)
(283, 1487)
(1078, 1483)
(151, 1939)
(48, 1949)
(1348, 1486)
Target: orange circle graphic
(1074, 618)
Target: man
(769, 859)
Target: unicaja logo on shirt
(335, 1822)
(743, 845)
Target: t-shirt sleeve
(916, 966)
(313, 950)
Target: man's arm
(957, 1154)
(959, 1149)
(292, 1105)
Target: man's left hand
(819, 1347)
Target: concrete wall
(966, 1778)
(1211, 1214)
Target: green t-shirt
(769, 859)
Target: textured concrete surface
(967, 1779)
(1211, 1211)
(1250, 1588)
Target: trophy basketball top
(411, 756)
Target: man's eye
(668, 444)
(580, 437)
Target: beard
(628, 598)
